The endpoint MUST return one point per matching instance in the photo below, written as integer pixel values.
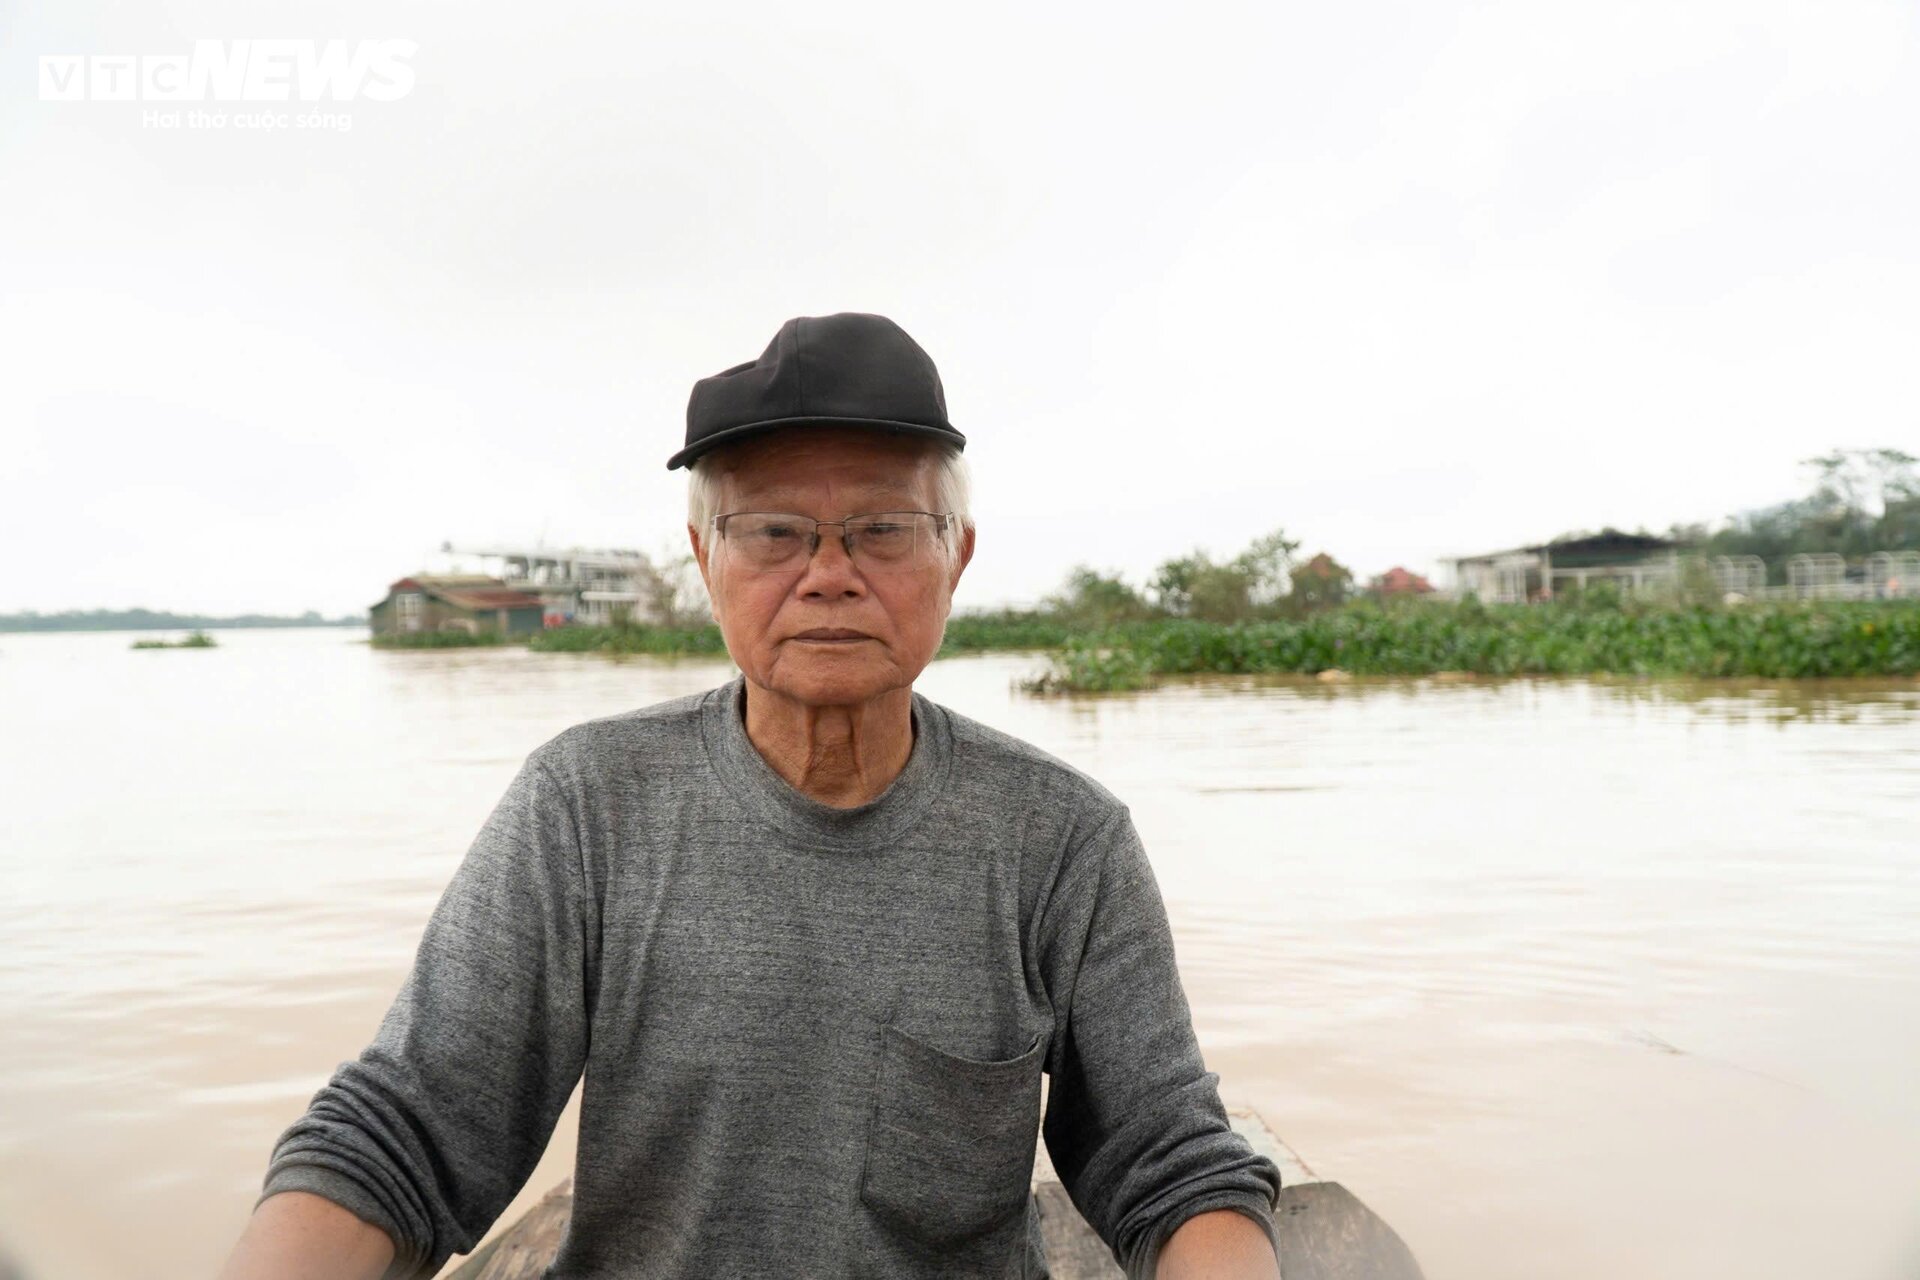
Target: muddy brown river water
(1576, 979)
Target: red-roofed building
(1400, 582)
(456, 602)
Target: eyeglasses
(880, 542)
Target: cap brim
(747, 429)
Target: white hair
(952, 490)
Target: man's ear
(966, 557)
(700, 557)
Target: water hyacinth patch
(1775, 641)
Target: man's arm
(1134, 1122)
(297, 1235)
(427, 1137)
(1219, 1244)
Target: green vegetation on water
(1007, 629)
(194, 640)
(1775, 641)
(966, 633)
(624, 638)
(1603, 635)
(630, 638)
(439, 639)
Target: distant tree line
(1862, 501)
(155, 619)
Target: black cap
(850, 369)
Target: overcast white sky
(1406, 280)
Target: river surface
(1591, 980)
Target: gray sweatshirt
(812, 1037)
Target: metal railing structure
(1740, 575)
(1818, 576)
(1884, 575)
(1894, 574)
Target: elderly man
(812, 937)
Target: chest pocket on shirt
(950, 1147)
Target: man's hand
(297, 1235)
(1219, 1244)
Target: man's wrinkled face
(827, 633)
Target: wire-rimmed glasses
(877, 542)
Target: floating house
(1631, 561)
(590, 586)
(456, 602)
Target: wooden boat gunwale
(1326, 1233)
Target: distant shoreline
(153, 620)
